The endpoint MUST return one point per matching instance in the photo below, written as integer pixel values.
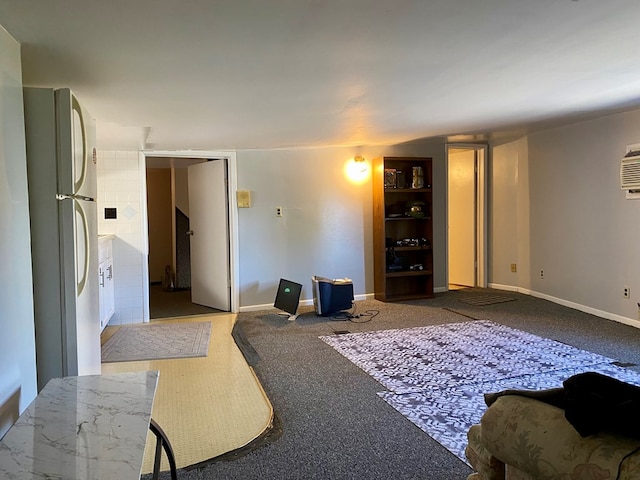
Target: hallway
(175, 303)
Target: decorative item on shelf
(416, 209)
(394, 210)
(396, 263)
(407, 242)
(390, 178)
(412, 242)
(391, 256)
(418, 177)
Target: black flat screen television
(288, 297)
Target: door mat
(132, 343)
(482, 300)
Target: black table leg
(162, 442)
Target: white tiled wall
(120, 186)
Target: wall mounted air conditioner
(630, 171)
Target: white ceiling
(236, 74)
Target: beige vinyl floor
(207, 406)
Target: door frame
(232, 186)
(482, 161)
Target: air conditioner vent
(630, 172)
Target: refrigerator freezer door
(76, 147)
(79, 236)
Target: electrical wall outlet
(626, 293)
(541, 273)
(278, 211)
(514, 268)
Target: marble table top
(90, 427)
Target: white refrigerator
(61, 171)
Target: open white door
(209, 223)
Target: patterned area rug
(157, 341)
(436, 376)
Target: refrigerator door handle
(66, 196)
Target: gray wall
(17, 342)
(326, 228)
(556, 205)
(584, 233)
(508, 207)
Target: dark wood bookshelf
(402, 229)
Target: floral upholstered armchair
(522, 438)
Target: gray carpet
(151, 341)
(335, 426)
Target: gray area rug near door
(157, 341)
(485, 299)
(436, 375)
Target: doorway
(172, 292)
(466, 215)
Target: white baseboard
(510, 288)
(566, 303)
(269, 306)
(303, 303)
(365, 296)
(593, 311)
